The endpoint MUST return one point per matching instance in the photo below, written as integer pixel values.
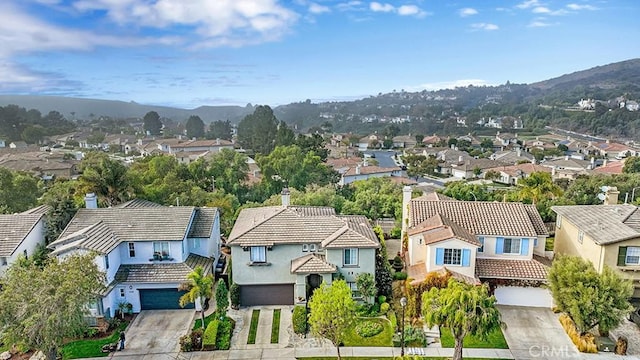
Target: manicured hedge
(299, 319)
(210, 336)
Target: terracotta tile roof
(434, 196)
(604, 224)
(438, 228)
(480, 217)
(14, 228)
(613, 167)
(510, 269)
(418, 273)
(342, 162)
(312, 264)
(365, 170)
(526, 168)
(162, 272)
(266, 226)
(536, 220)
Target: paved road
(384, 157)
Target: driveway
(155, 332)
(535, 333)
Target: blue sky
(188, 53)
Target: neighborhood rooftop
(15, 227)
(605, 224)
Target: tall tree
(199, 287)
(537, 187)
(152, 123)
(631, 165)
(222, 298)
(333, 311)
(18, 191)
(53, 305)
(61, 198)
(220, 130)
(257, 131)
(105, 177)
(589, 298)
(366, 284)
(463, 309)
(374, 198)
(315, 143)
(284, 135)
(384, 279)
(194, 127)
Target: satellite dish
(601, 197)
(604, 189)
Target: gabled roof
(138, 203)
(438, 228)
(267, 226)
(163, 272)
(605, 224)
(203, 223)
(312, 264)
(14, 228)
(510, 269)
(480, 217)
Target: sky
(188, 53)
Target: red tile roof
(510, 269)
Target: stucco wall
(452, 244)
(144, 252)
(489, 250)
(35, 237)
(366, 263)
(566, 242)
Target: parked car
(635, 316)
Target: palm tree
(198, 286)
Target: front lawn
(383, 339)
(86, 348)
(253, 328)
(207, 320)
(495, 340)
(275, 327)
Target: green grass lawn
(383, 339)
(548, 245)
(86, 348)
(495, 340)
(275, 327)
(207, 320)
(253, 328)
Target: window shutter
(622, 255)
(439, 256)
(524, 247)
(466, 257)
(500, 245)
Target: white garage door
(523, 296)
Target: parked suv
(635, 316)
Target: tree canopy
(258, 131)
(194, 127)
(152, 123)
(106, 177)
(220, 130)
(18, 191)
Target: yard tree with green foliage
(220, 130)
(384, 278)
(106, 177)
(537, 187)
(198, 287)
(631, 165)
(462, 308)
(588, 297)
(43, 306)
(152, 123)
(18, 191)
(374, 198)
(258, 131)
(333, 312)
(366, 284)
(222, 298)
(194, 127)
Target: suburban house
(365, 171)
(372, 141)
(20, 234)
(568, 167)
(510, 175)
(145, 249)
(282, 253)
(607, 234)
(478, 241)
(404, 141)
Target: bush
(234, 294)
(382, 299)
(395, 232)
(384, 308)
(210, 336)
(394, 320)
(192, 341)
(397, 265)
(185, 343)
(585, 343)
(299, 319)
(399, 275)
(369, 328)
(225, 330)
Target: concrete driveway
(155, 334)
(535, 333)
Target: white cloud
(353, 5)
(467, 12)
(578, 7)
(318, 9)
(541, 10)
(408, 10)
(447, 85)
(538, 23)
(528, 4)
(484, 26)
(378, 7)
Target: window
(354, 289)
(580, 236)
(161, 250)
(258, 254)
(195, 243)
(3, 261)
(312, 247)
(305, 247)
(106, 261)
(121, 292)
(453, 256)
(350, 257)
(511, 246)
(633, 256)
(132, 249)
(481, 240)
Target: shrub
(384, 308)
(415, 336)
(399, 275)
(382, 299)
(397, 265)
(210, 336)
(196, 338)
(395, 232)
(225, 330)
(234, 294)
(394, 320)
(369, 328)
(585, 343)
(300, 319)
(185, 343)
(222, 298)
(192, 341)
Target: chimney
(566, 157)
(611, 196)
(519, 152)
(553, 171)
(218, 141)
(406, 198)
(358, 169)
(460, 158)
(604, 162)
(91, 201)
(286, 196)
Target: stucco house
(607, 234)
(145, 249)
(20, 234)
(282, 253)
(477, 241)
(364, 171)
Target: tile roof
(312, 264)
(97, 237)
(418, 273)
(162, 272)
(365, 170)
(266, 226)
(510, 269)
(438, 228)
(139, 203)
(480, 217)
(613, 167)
(40, 210)
(14, 228)
(605, 224)
(525, 168)
(203, 223)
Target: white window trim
(519, 247)
(161, 253)
(351, 256)
(258, 254)
(305, 247)
(453, 254)
(635, 253)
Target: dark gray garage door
(276, 294)
(161, 299)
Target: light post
(403, 303)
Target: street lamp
(403, 303)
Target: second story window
(3, 260)
(305, 247)
(161, 250)
(350, 257)
(106, 261)
(633, 256)
(511, 246)
(453, 256)
(132, 249)
(481, 240)
(258, 254)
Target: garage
(524, 296)
(275, 294)
(162, 299)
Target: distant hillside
(619, 75)
(79, 108)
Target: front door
(313, 282)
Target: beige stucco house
(478, 241)
(281, 253)
(603, 234)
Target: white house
(282, 253)
(364, 172)
(477, 242)
(146, 250)
(20, 234)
